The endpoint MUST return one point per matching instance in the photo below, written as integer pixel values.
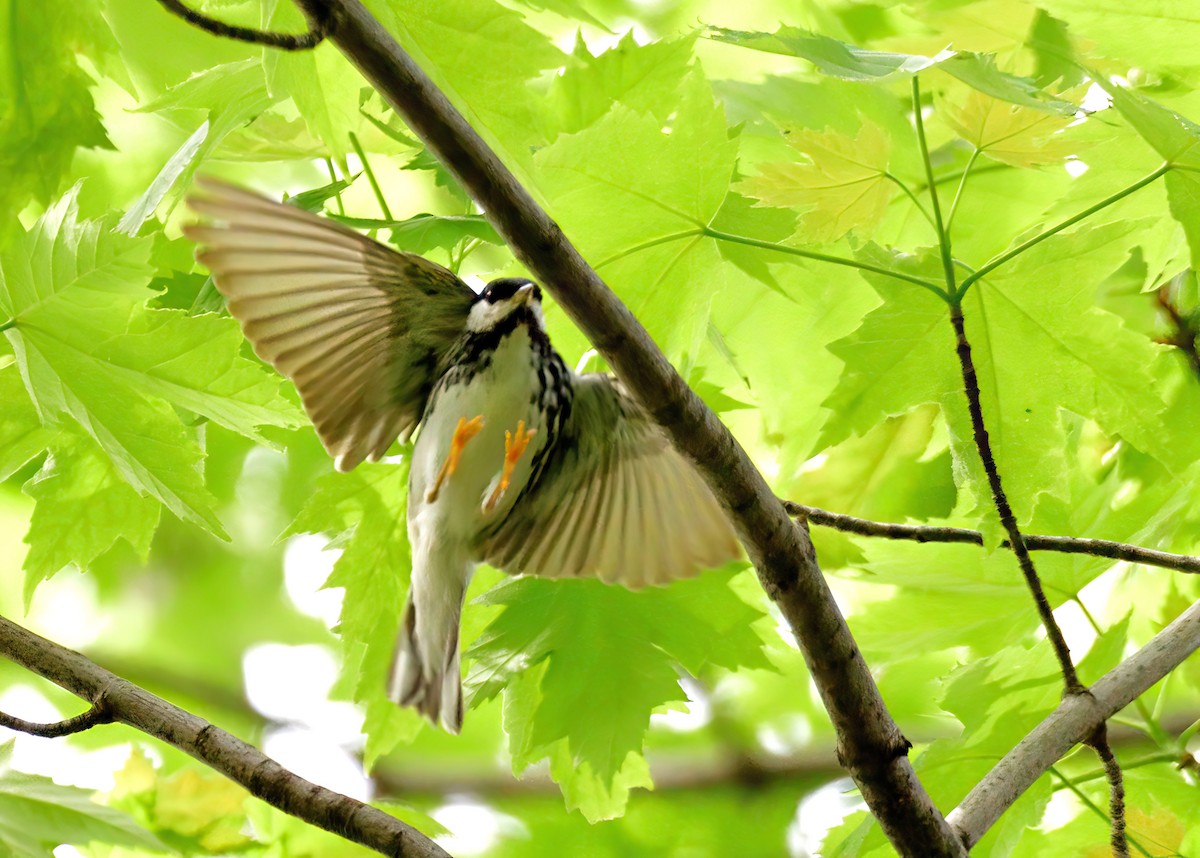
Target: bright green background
(157, 476)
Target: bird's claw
(463, 432)
(514, 448)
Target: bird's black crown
(506, 287)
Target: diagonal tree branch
(1074, 721)
(930, 533)
(124, 702)
(870, 745)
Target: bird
(518, 461)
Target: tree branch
(128, 704)
(1061, 544)
(318, 28)
(870, 744)
(1073, 722)
(98, 714)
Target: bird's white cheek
(484, 316)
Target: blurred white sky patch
(66, 611)
(474, 828)
(291, 684)
(306, 567)
(819, 813)
(311, 754)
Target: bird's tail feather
(425, 669)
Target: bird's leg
(514, 448)
(463, 432)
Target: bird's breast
(506, 387)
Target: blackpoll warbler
(520, 463)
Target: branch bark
(126, 703)
(1074, 721)
(1061, 544)
(870, 745)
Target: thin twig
(1007, 519)
(318, 28)
(127, 703)
(1061, 544)
(1116, 791)
(98, 714)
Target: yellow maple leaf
(842, 186)
(1020, 136)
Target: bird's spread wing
(361, 329)
(615, 501)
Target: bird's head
(503, 298)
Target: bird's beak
(525, 294)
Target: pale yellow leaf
(843, 186)
(1020, 136)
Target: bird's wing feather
(616, 501)
(361, 329)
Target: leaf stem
(333, 178)
(943, 236)
(4, 326)
(997, 261)
(825, 257)
(1096, 774)
(362, 156)
(898, 182)
(962, 183)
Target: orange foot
(514, 448)
(463, 432)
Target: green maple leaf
(462, 44)
(83, 507)
(634, 75)
(585, 647)
(1177, 140)
(90, 351)
(638, 199)
(227, 96)
(1033, 355)
(46, 108)
(1156, 34)
(22, 435)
